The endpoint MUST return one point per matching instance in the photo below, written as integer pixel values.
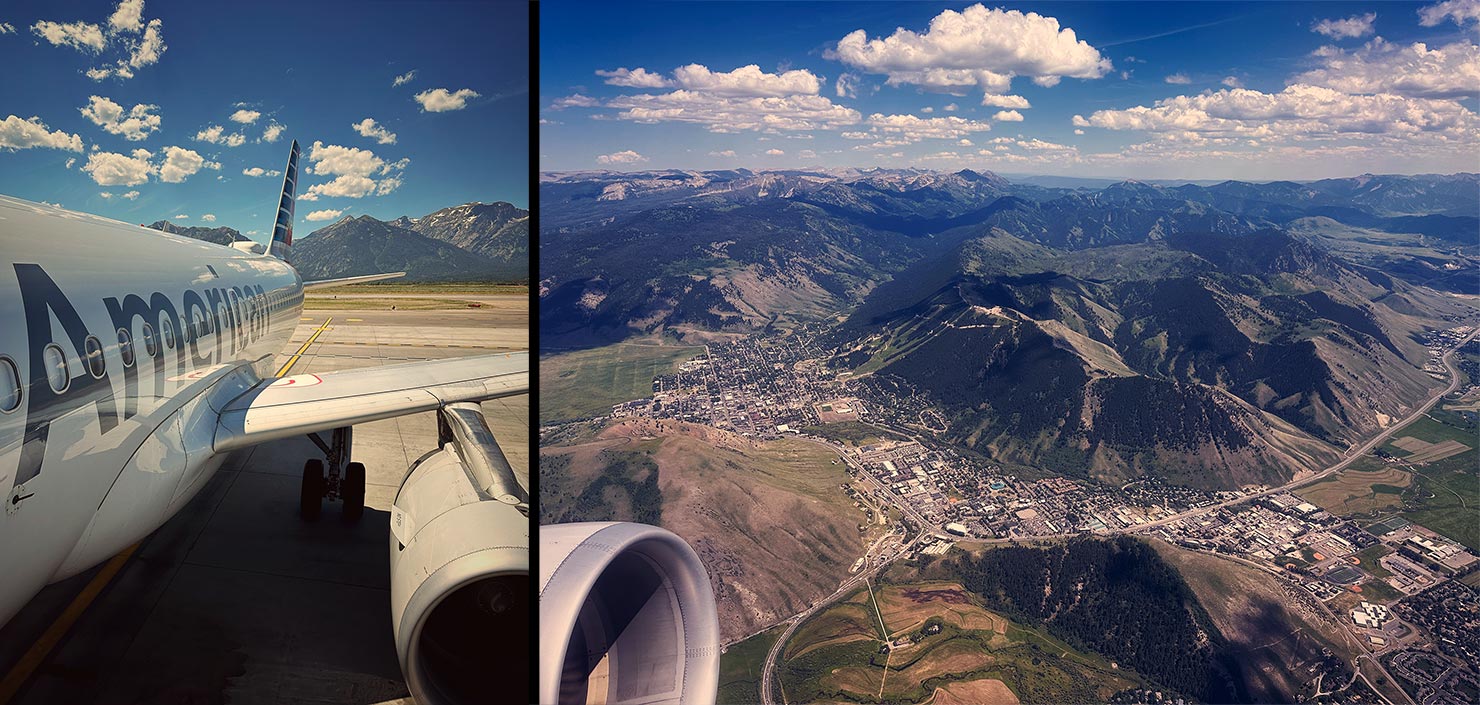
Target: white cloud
(1013, 102)
(774, 153)
(135, 125)
(215, 134)
(16, 133)
(209, 217)
(728, 114)
(368, 128)
(1078, 131)
(1232, 82)
(180, 163)
(71, 161)
(387, 185)
(404, 78)
(439, 100)
(82, 36)
(1299, 111)
(259, 171)
(149, 48)
(1178, 79)
(976, 47)
(927, 110)
(323, 215)
(1008, 116)
(1461, 12)
(129, 17)
(575, 101)
(725, 153)
(1414, 70)
(623, 157)
(635, 78)
(111, 169)
(105, 195)
(246, 117)
(807, 154)
(353, 169)
(898, 130)
(746, 82)
(182, 216)
(964, 142)
(272, 132)
(846, 85)
(131, 195)
(330, 160)
(1349, 28)
(7, 28)
(346, 186)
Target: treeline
(1116, 598)
(628, 476)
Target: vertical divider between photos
(534, 330)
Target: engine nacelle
(626, 616)
(459, 554)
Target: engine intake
(626, 616)
(459, 555)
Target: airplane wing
(291, 406)
(344, 281)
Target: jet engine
(626, 616)
(459, 550)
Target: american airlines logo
(200, 327)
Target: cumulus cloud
(1078, 131)
(134, 125)
(728, 114)
(746, 81)
(181, 216)
(440, 100)
(846, 85)
(927, 110)
(353, 169)
(323, 215)
(129, 17)
(1349, 28)
(1008, 116)
(215, 134)
(272, 132)
(774, 153)
(71, 161)
(1011, 102)
(369, 128)
(180, 163)
(635, 78)
(975, 48)
(951, 108)
(82, 36)
(259, 171)
(1232, 82)
(404, 78)
(246, 117)
(898, 130)
(7, 28)
(140, 52)
(1415, 70)
(1461, 12)
(16, 133)
(724, 153)
(112, 169)
(1299, 110)
(1179, 79)
(209, 217)
(964, 143)
(623, 157)
(575, 101)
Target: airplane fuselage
(123, 340)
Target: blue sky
(317, 69)
(1151, 90)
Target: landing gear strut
(344, 481)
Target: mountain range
(470, 242)
(1215, 335)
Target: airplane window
(57, 374)
(95, 362)
(126, 347)
(10, 385)
(151, 346)
(167, 331)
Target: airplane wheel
(311, 498)
(354, 491)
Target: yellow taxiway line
(294, 359)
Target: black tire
(354, 491)
(311, 497)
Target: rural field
(947, 649)
(740, 668)
(1360, 491)
(584, 383)
(378, 296)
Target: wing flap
(291, 406)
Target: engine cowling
(626, 616)
(459, 561)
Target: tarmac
(236, 599)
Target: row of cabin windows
(59, 377)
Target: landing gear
(348, 485)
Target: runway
(236, 599)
